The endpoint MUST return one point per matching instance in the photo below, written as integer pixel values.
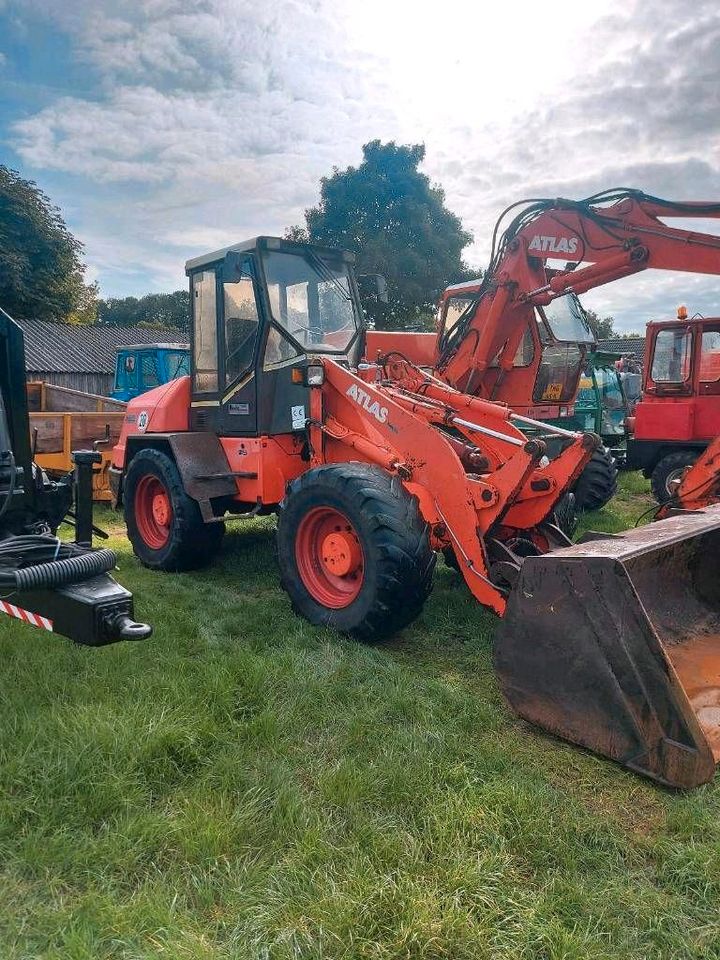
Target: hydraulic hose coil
(70, 570)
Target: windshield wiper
(327, 273)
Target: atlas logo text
(367, 403)
(554, 244)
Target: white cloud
(210, 120)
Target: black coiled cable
(34, 561)
(69, 570)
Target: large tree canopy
(602, 327)
(164, 309)
(388, 214)
(41, 271)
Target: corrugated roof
(68, 348)
(635, 346)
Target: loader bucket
(614, 644)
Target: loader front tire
(597, 484)
(354, 551)
(164, 524)
(668, 471)
(565, 515)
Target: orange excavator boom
(606, 237)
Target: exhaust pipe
(614, 644)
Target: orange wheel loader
(375, 467)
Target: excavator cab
(548, 350)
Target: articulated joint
(535, 448)
(639, 253)
(591, 441)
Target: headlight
(315, 375)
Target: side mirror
(232, 268)
(372, 286)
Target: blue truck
(140, 367)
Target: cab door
(707, 404)
(226, 334)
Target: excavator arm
(606, 237)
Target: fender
(201, 462)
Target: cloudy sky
(164, 128)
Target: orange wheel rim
(329, 557)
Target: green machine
(601, 405)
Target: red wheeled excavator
(678, 415)
(376, 466)
(519, 335)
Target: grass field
(243, 785)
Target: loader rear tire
(164, 524)
(668, 471)
(354, 551)
(597, 484)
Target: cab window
(566, 320)
(149, 371)
(205, 331)
(178, 364)
(126, 372)
(612, 395)
(278, 350)
(524, 355)
(241, 323)
(710, 356)
(311, 300)
(455, 308)
(671, 357)
(559, 372)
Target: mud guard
(201, 462)
(614, 644)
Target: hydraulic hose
(70, 570)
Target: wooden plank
(50, 432)
(57, 399)
(34, 395)
(84, 429)
(88, 427)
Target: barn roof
(634, 346)
(71, 348)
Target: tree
(41, 270)
(388, 214)
(154, 309)
(602, 327)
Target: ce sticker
(142, 421)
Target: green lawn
(243, 785)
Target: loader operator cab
(260, 311)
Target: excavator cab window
(564, 335)
(559, 372)
(455, 308)
(242, 322)
(710, 357)
(709, 375)
(672, 355)
(524, 355)
(566, 321)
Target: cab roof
(265, 243)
